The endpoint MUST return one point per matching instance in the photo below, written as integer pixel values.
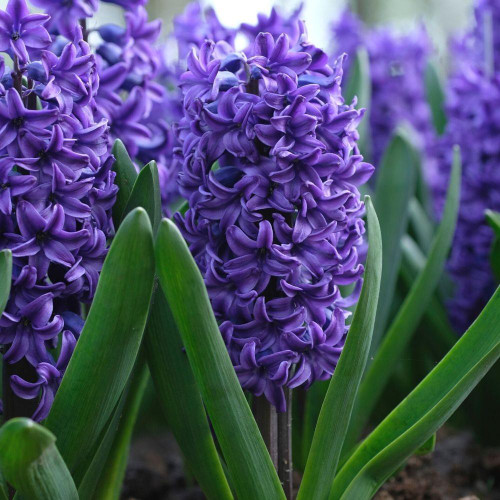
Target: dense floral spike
(397, 68)
(473, 97)
(56, 196)
(271, 171)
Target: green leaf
(339, 401)
(421, 225)
(31, 462)
(5, 282)
(437, 326)
(5, 277)
(424, 410)
(435, 97)
(394, 189)
(410, 313)
(359, 85)
(87, 486)
(493, 219)
(146, 194)
(248, 461)
(111, 477)
(427, 447)
(181, 400)
(106, 351)
(126, 173)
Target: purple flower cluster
(473, 100)
(138, 95)
(56, 194)
(271, 172)
(397, 68)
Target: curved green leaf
(31, 462)
(181, 400)
(426, 408)
(126, 174)
(146, 194)
(394, 189)
(250, 466)
(330, 432)
(106, 351)
(410, 313)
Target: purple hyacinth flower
(22, 32)
(65, 16)
(43, 238)
(275, 367)
(49, 379)
(15, 118)
(472, 98)
(270, 170)
(28, 328)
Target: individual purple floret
(55, 200)
(473, 99)
(271, 172)
(397, 69)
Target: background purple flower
(55, 203)
(271, 172)
(473, 99)
(397, 69)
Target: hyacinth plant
(262, 291)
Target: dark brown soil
(457, 469)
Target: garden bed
(457, 469)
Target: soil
(457, 469)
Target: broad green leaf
(106, 351)
(111, 477)
(435, 97)
(336, 410)
(247, 458)
(181, 400)
(126, 173)
(359, 86)
(109, 458)
(424, 410)
(31, 462)
(394, 189)
(410, 313)
(146, 194)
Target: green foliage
(410, 313)
(394, 190)
(30, 461)
(249, 464)
(108, 345)
(424, 410)
(339, 401)
(435, 97)
(126, 174)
